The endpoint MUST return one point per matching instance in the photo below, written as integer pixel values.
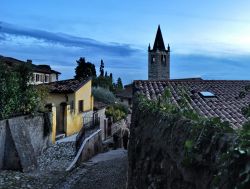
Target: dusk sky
(208, 39)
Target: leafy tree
(17, 96)
(102, 68)
(111, 77)
(84, 69)
(106, 74)
(119, 85)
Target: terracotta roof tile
(226, 104)
(65, 86)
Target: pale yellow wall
(85, 93)
(53, 134)
(56, 100)
(75, 123)
(74, 117)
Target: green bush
(117, 111)
(17, 96)
(103, 95)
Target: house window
(72, 105)
(42, 78)
(37, 77)
(80, 106)
(206, 94)
(46, 79)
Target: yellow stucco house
(71, 101)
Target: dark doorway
(60, 129)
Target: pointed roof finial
(159, 43)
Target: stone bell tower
(158, 59)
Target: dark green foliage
(104, 82)
(84, 69)
(247, 88)
(246, 111)
(210, 141)
(242, 94)
(119, 85)
(102, 68)
(17, 96)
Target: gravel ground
(51, 166)
(57, 158)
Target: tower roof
(159, 43)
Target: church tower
(158, 59)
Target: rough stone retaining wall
(22, 139)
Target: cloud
(61, 52)
(209, 67)
(113, 49)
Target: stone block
(2, 141)
(22, 141)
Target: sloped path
(106, 170)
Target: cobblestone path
(104, 171)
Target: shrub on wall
(17, 96)
(117, 111)
(209, 147)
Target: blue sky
(209, 39)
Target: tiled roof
(230, 96)
(126, 92)
(65, 86)
(11, 62)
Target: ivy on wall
(231, 162)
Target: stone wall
(93, 146)
(90, 147)
(2, 142)
(22, 139)
(158, 157)
(158, 69)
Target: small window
(206, 94)
(46, 79)
(72, 105)
(80, 106)
(37, 77)
(42, 78)
(153, 59)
